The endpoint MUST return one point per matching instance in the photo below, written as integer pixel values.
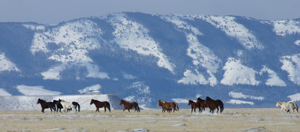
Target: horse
(129, 106)
(194, 106)
(295, 107)
(58, 106)
(76, 105)
(46, 105)
(168, 105)
(287, 106)
(213, 104)
(100, 104)
(202, 103)
(66, 105)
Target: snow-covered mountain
(141, 57)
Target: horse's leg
(43, 110)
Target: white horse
(287, 106)
(66, 105)
(295, 107)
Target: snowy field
(231, 120)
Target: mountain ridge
(143, 57)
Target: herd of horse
(57, 105)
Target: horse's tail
(221, 106)
(296, 106)
(177, 107)
(108, 106)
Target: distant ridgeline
(144, 58)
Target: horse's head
(40, 101)
(122, 101)
(278, 104)
(92, 101)
(159, 103)
(190, 102)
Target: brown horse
(194, 106)
(214, 104)
(168, 105)
(129, 106)
(202, 103)
(100, 104)
(46, 105)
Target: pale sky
(55, 11)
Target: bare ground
(231, 120)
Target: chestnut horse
(194, 106)
(202, 103)
(213, 104)
(46, 105)
(168, 105)
(99, 104)
(129, 106)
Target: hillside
(140, 57)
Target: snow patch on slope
(241, 95)
(94, 89)
(131, 35)
(273, 80)
(35, 27)
(234, 101)
(74, 40)
(236, 73)
(36, 90)
(6, 65)
(140, 94)
(233, 29)
(284, 27)
(191, 78)
(294, 97)
(4, 93)
(291, 64)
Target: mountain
(140, 57)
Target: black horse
(57, 105)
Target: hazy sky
(55, 11)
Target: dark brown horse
(76, 106)
(214, 104)
(194, 106)
(129, 106)
(202, 103)
(168, 105)
(58, 106)
(46, 105)
(100, 104)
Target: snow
(234, 101)
(6, 65)
(35, 27)
(291, 64)
(201, 55)
(294, 97)
(233, 29)
(179, 100)
(94, 89)
(140, 93)
(74, 40)
(29, 102)
(297, 42)
(3, 92)
(285, 27)
(241, 95)
(191, 78)
(131, 35)
(35, 90)
(236, 73)
(273, 79)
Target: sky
(55, 11)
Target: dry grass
(259, 119)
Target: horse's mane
(163, 101)
(191, 101)
(200, 99)
(208, 98)
(42, 100)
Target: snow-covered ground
(30, 102)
